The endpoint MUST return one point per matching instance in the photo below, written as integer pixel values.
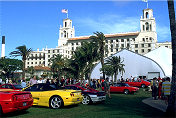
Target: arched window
(146, 15)
(143, 27)
(65, 24)
(147, 26)
(150, 27)
(65, 34)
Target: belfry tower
(65, 32)
(148, 27)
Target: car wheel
(86, 100)
(126, 91)
(143, 85)
(55, 102)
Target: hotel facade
(140, 42)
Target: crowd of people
(161, 88)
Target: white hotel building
(141, 42)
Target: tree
(171, 109)
(99, 40)
(31, 71)
(108, 70)
(24, 52)
(57, 64)
(8, 66)
(116, 64)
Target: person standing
(107, 87)
(23, 84)
(154, 86)
(33, 80)
(166, 86)
(40, 80)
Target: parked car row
(13, 97)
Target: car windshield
(18, 86)
(124, 84)
(86, 88)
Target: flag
(65, 11)
(145, 0)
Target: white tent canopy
(135, 65)
(163, 56)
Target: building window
(147, 26)
(136, 51)
(142, 50)
(117, 40)
(76, 43)
(57, 51)
(72, 44)
(72, 48)
(166, 46)
(128, 39)
(48, 51)
(143, 27)
(136, 45)
(122, 40)
(39, 62)
(65, 24)
(128, 45)
(31, 62)
(106, 41)
(150, 38)
(117, 49)
(111, 50)
(111, 45)
(48, 56)
(147, 39)
(143, 39)
(149, 45)
(117, 45)
(142, 45)
(133, 39)
(35, 62)
(53, 51)
(27, 62)
(111, 41)
(149, 50)
(122, 45)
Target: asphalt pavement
(158, 104)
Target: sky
(36, 23)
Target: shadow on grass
(16, 113)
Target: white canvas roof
(135, 65)
(163, 56)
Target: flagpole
(147, 4)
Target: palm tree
(109, 71)
(99, 40)
(24, 52)
(117, 64)
(171, 109)
(57, 64)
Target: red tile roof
(42, 68)
(107, 36)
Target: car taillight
(14, 98)
(71, 94)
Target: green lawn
(120, 106)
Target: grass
(120, 106)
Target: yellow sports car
(49, 95)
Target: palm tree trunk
(115, 76)
(102, 64)
(171, 109)
(23, 73)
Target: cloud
(110, 23)
(163, 33)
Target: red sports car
(11, 101)
(122, 88)
(11, 86)
(141, 83)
